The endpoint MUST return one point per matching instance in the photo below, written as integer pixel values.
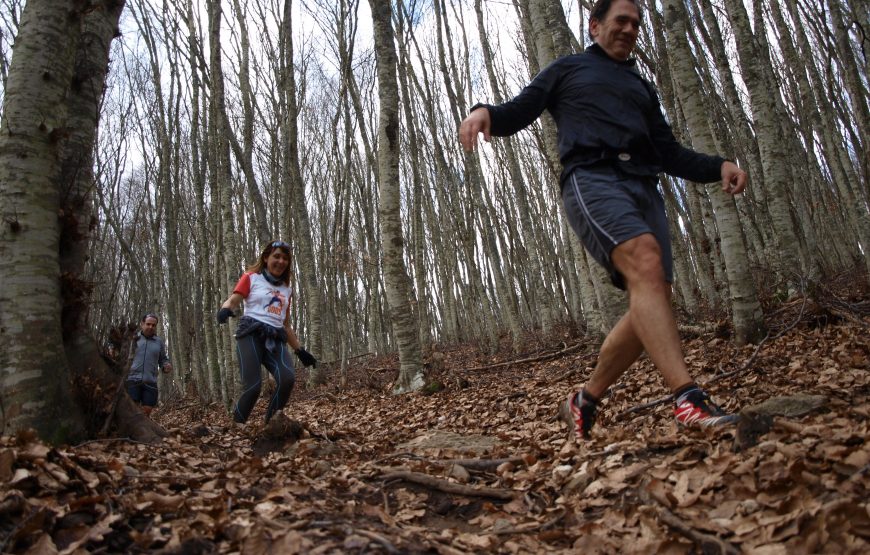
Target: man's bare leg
(648, 325)
(620, 349)
(650, 313)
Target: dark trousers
(143, 393)
(253, 354)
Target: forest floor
(484, 465)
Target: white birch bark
(225, 216)
(746, 311)
(399, 289)
(302, 240)
(857, 90)
(774, 159)
(419, 181)
(524, 222)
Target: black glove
(224, 314)
(306, 357)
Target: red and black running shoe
(578, 414)
(694, 408)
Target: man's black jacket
(604, 110)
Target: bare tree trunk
(221, 177)
(698, 221)
(685, 281)
(811, 121)
(858, 94)
(244, 151)
(525, 222)
(164, 120)
(400, 292)
(35, 375)
(418, 180)
(774, 159)
(46, 187)
(745, 308)
(306, 259)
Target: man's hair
(600, 9)
(150, 315)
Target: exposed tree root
(470, 464)
(128, 417)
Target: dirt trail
(481, 466)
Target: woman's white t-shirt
(264, 302)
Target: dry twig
(449, 487)
(708, 542)
(535, 528)
(539, 358)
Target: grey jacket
(150, 354)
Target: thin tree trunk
(307, 261)
(746, 311)
(774, 159)
(219, 156)
(399, 289)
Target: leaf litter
(483, 464)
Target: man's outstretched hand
(476, 122)
(733, 178)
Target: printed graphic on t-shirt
(276, 303)
(264, 301)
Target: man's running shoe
(578, 414)
(694, 408)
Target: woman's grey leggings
(252, 354)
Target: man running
(149, 355)
(613, 142)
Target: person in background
(149, 355)
(264, 330)
(613, 143)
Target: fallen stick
(535, 528)
(471, 464)
(446, 549)
(480, 464)
(707, 542)
(644, 406)
(323, 435)
(384, 542)
(530, 359)
(449, 487)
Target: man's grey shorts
(607, 207)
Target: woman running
(264, 330)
